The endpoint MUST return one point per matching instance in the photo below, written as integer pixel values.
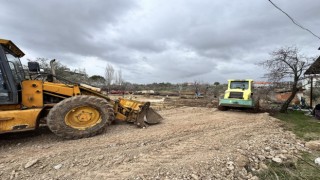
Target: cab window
(16, 67)
(239, 85)
(4, 96)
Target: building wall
(307, 82)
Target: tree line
(113, 80)
(284, 64)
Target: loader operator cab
(11, 72)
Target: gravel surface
(190, 143)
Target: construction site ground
(190, 143)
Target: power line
(293, 20)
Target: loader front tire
(80, 117)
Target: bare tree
(109, 75)
(286, 63)
(118, 78)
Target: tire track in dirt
(181, 149)
(188, 139)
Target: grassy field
(306, 128)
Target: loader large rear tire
(80, 117)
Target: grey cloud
(145, 44)
(162, 40)
(54, 27)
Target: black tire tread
(55, 119)
(222, 108)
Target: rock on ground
(313, 145)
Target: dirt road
(191, 143)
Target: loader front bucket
(152, 117)
(138, 112)
(148, 115)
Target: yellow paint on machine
(18, 120)
(63, 89)
(10, 45)
(132, 104)
(32, 93)
(82, 117)
(124, 109)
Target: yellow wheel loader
(70, 110)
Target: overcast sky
(160, 40)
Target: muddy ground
(190, 143)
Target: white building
(312, 74)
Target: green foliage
(80, 76)
(303, 168)
(303, 126)
(62, 71)
(97, 80)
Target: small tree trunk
(294, 91)
(285, 105)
